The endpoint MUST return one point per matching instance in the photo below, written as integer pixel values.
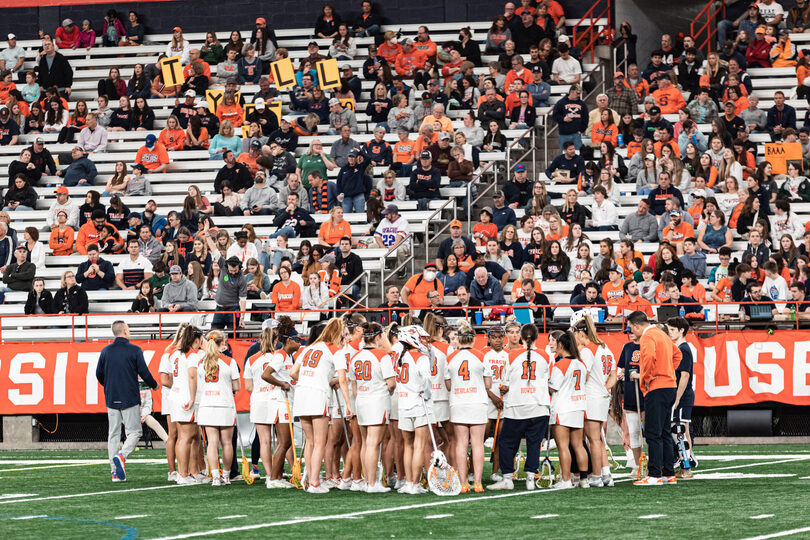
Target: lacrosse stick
(342, 420)
(442, 479)
(642, 461)
(612, 460)
(546, 477)
(296, 469)
(380, 468)
(246, 476)
(495, 442)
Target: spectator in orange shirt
(194, 56)
(152, 155)
(691, 287)
(424, 43)
(249, 158)
(518, 71)
(485, 230)
(286, 293)
(334, 228)
(414, 292)
(613, 290)
(677, 231)
(172, 137)
(229, 109)
(389, 48)
(605, 129)
(453, 67)
(633, 301)
(627, 252)
(410, 60)
(668, 97)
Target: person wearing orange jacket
(668, 97)
(410, 60)
(656, 379)
(173, 137)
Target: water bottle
(620, 140)
(793, 312)
(682, 312)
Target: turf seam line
(779, 534)
(75, 495)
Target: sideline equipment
(246, 476)
(679, 435)
(546, 477)
(643, 470)
(442, 478)
(296, 470)
(614, 465)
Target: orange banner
(731, 368)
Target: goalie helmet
(412, 335)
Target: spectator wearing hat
(677, 231)
(267, 120)
(502, 215)
(416, 289)
(571, 114)
(179, 294)
(231, 294)
(425, 181)
(446, 246)
(153, 155)
(655, 121)
(19, 275)
(54, 69)
(9, 130)
(41, 156)
(353, 184)
(67, 35)
(185, 110)
(284, 135)
(81, 170)
(13, 57)
(392, 232)
(538, 89)
(63, 203)
(249, 158)
(340, 116)
(440, 152)
(783, 53)
(410, 60)
(758, 53)
(518, 191)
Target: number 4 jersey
(526, 375)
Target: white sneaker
(345, 485)
(584, 483)
(503, 484)
(270, 484)
(377, 488)
(607, 481)
(530, 485)
(392, 481)
(399, 484)
(173, 476)
(495, 477)
(405, 487)
(358, 485)
(631, 459)
(186, 481)
(331, 482)
(564, 485)
(284, 484)
(318, 489)
(201, 478)
(594, 481)
(419, 490)
(216, 481)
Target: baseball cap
(12, 36)
(255, 143)
(699, 193)
(651, 157)
(425, 155)
(563, 39)
(354, 152)
(487, 210)
(675, 212)
(430, 266)
(4, 111)
(150, 140)
(730, 103)
(760, 30)
(134, 215)
(520, 167)
(497, 195)
(232, 80)
(311, 43)
(328, 258)
(190, 93)
(444, 136)
(62, 189)
(618, 75)
(177, 29)
(407, 41)
(784, 32)
(655, 110)
(455, 223)
(391, 209)
(613, 268)
(67, 22)
(334, 101)
(259, 103)
(426, 95)
(175, 269)
(39, 140)
(537, 69)
(234, 261)
(261, 20)
(287, 119)
(433, 81)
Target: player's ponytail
(568, 342)
(215, 340)
(286, 326)
(528, 335)
(370, 332)
(178, 336)
(586, 325)
(332, 333)
(466, 335)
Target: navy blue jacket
(785, 118)
(118, 368)
(353, 181)
(578, 109)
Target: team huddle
(375, 398)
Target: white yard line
(6, 496)
(779, 534)
(236, 516)
(73, 461)
(762, 516)
(29, 517)
(439, 516)
(546, 516)
(425, 505)
(77, 495)
(136, 516)
(652, 516)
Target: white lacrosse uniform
(370, 368)
(567, 379)
(526, 376)
(282, 363)
(439, 397)
(347, 351)
(264, 409)
(318, 362)
(166, 392)
(216, 406)
(412, 379)
(396, 352)
(495, 363)
(180, 395)
(468, 393)
(599, 362)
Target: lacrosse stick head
(442, 479)
(296, 475)
(546, 477)
(246, 476)
(438, 459)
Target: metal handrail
(591, 30)
(710, 14)
(443, 227)
(396, 269)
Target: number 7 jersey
(568, 382)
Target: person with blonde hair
(313, 372)
(468, 381)
(600, 364)
(184, 362)
(218, 380)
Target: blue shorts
(683, 412)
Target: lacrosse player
(394, 451)
(677, 328)
(183, 404)
(495, 361)
(434, 325)
(350, 448)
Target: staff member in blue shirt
(677, 328)
(118, 368)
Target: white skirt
(216, 416)
(310, 402)
(469, 413)
(573, 419)
(597, 409)
(441, 411)
(269, 412)
(180, 415)
(372, 412)
(394, 406)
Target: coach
(659, 357)
(119, 366)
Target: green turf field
(738, 492)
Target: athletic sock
(507, 476)
(606, 470)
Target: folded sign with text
(731, 368)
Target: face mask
(461, 37)
(392, 41)
(430, 276)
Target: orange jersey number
(607, 364)
(403, 375)
(577, 376)
(362, 371)
(464, 371)
(312, 358)
(529, 369)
